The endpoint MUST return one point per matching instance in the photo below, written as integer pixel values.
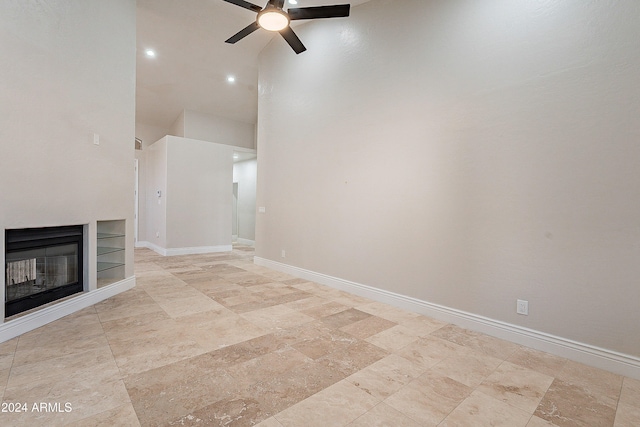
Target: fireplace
(42, 265)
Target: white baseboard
(31, 321)
(609, 360)
(245, 241)
(184, 251)
(149, 245)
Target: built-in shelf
(102, 236)
(110, 251)
(102, 266)
(107, 250)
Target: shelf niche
(111, 239)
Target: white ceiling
(193, 61)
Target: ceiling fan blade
(293, 40)
(245, 4)
(336, 11)
(243, 33)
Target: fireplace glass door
(37, 270)
(42, 265)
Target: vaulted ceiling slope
(192, 60)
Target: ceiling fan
(272, 17)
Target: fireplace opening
(42, 265)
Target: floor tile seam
(412, 418)
(79, 354)
(397, 349)
(323, 390)
(380, 402)
(510, 353)
(599, 396)
(377, 375)
(546, 390)
(5, 386)
(115, 360)
(13, 360)
(76, 353)
(158, 301)
(202, 293)
(635, 404)
(477, 389)
(113, 356)
(456, 406)
(80, 420)
(228, 371)
(619, 396)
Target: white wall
(154, 228)
(150, 133)
(217, 129)
(193, 212)
(209, 229)
(245, 174)
(463, 153)
(51, 171)
(177, 128)
(200, 191)
(66, 75)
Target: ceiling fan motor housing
(273, 19)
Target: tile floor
(214, 340)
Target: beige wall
(466, 154)
(177, 128)
(199, 193)
(217, 129)
(150, 133)
(195, 181)
(66, 75)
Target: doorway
(244, 197)
(234, 214)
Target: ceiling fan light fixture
(273, 20)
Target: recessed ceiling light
(150, 53)
(231, 79)
(293, 2)
(235, 156)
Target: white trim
(158, 249)
(247, 242)
(143, 244)
(31, 321)
(185, 251)
(136, 207)
(619, 363)
(199, 250)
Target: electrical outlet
(283, 254)
(522, 307)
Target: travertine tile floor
(214, 340)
